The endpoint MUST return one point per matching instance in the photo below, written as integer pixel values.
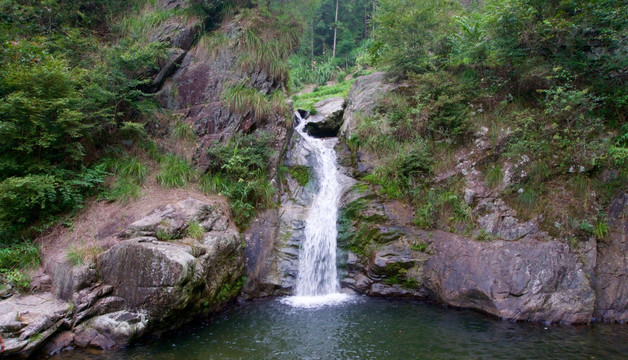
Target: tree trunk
(335, 30)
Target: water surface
(367, 328)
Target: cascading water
(317, 279)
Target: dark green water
(374, 329)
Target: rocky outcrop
(139, 286)
(328, 119)
(27, 322)
(523, 280)
(611, 271)
(520, 280)
(362, 99)
(194, 92)
(523, 274)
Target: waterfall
(317, 279)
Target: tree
(335, 29)
(410, 34)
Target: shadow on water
(373, 329)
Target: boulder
(67, 278)
(328, 118)
(28, 321)
(173, 219)
(362, 99)
(521, 280)
(111, 330)
(173, 282)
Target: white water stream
(317, 279)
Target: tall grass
(182, 131)
(243, 99)
(124, 190)
(174, 172)
(494, 176)
(266, 42)
(82, 255)
(306, 101)
(130, 174)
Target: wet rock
(362, 283)
(259, 252)
(59, 342)
(327, 120)
(522, 280)
(353, 262)
(383, 290)
(277, 274)
(611, 270)
(111, 330)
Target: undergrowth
(238, 169)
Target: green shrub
(16, 260)
(237, 169)
(19, 279)
(301, 174)
(442, 207)
(19, 255)
(527, 198)
(133, 131)
(600, 229)
(408, 169)
(420, 246)
(163, 235)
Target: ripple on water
(365, 328)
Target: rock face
(139, 286)
(362, 98)
(526, 275)
(523, 280)
(195, 90)
(27, 322)
(611, 271)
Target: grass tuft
(196, 231)
(174, 172)
(82, 255)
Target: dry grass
(97, 225)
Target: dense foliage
(546, 79)
(238, 170)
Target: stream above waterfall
(368, 328)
